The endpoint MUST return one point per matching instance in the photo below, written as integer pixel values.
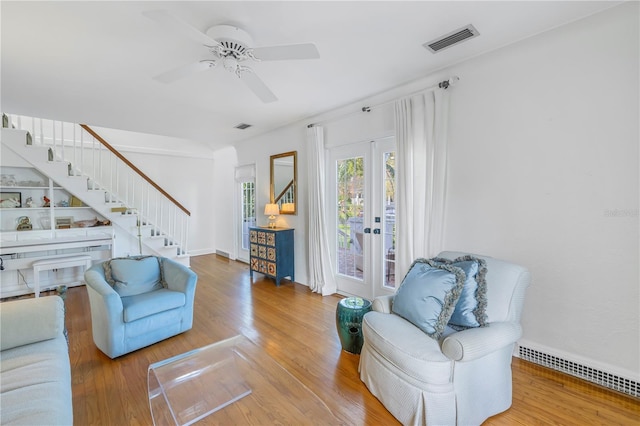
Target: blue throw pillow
(428, 295)
(130, 276)
(471, 309)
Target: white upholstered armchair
(460, 378)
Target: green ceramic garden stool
(349, 322)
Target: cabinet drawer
(262, 237)
(271, 268)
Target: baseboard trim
(223, 254)
(201, 252)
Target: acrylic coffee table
(231, 382)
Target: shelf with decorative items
(30, 201)
(39, 222)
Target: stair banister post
(100, 164)
(93, 163)
(148, 209)
(134, 186)
(82, 165)
(118, 193)
(126, 186)
(181, 241)
(172, 224)
(110, 178)
(161, 215)
(157, 213)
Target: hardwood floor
(296, 328)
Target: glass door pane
(247, 219)
(350, 212)
(248, 211)
(389, 215)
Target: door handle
(376, 231)
(367, 230)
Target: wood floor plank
(297, 329)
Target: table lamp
(271, 210)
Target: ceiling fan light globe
(230, 63)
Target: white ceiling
(94, 62)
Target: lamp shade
(271, 210)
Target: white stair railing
(107, 170)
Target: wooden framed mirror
(284, 182)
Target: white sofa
(462, 378)
(35, 373)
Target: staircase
(86, 166)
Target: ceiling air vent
(451, 39)
(242, 126)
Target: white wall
(543, 171)
(543, 152)
(259, 150)
(224, 186)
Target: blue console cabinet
(271, 252)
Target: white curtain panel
(421, 138)
(320, 267)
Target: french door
(361, 217)
(246, 208)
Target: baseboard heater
(581, 371)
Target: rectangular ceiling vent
(242, 126)
(451, 39)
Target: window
(248, 202)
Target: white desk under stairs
(26, 255)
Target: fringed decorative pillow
(470, 311)
(428, 295)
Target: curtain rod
(444, 84)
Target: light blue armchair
(138, 301)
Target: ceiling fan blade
(291, 51)
(258, 87)
(183, 71)
(164, 18)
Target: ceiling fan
(231, 47)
